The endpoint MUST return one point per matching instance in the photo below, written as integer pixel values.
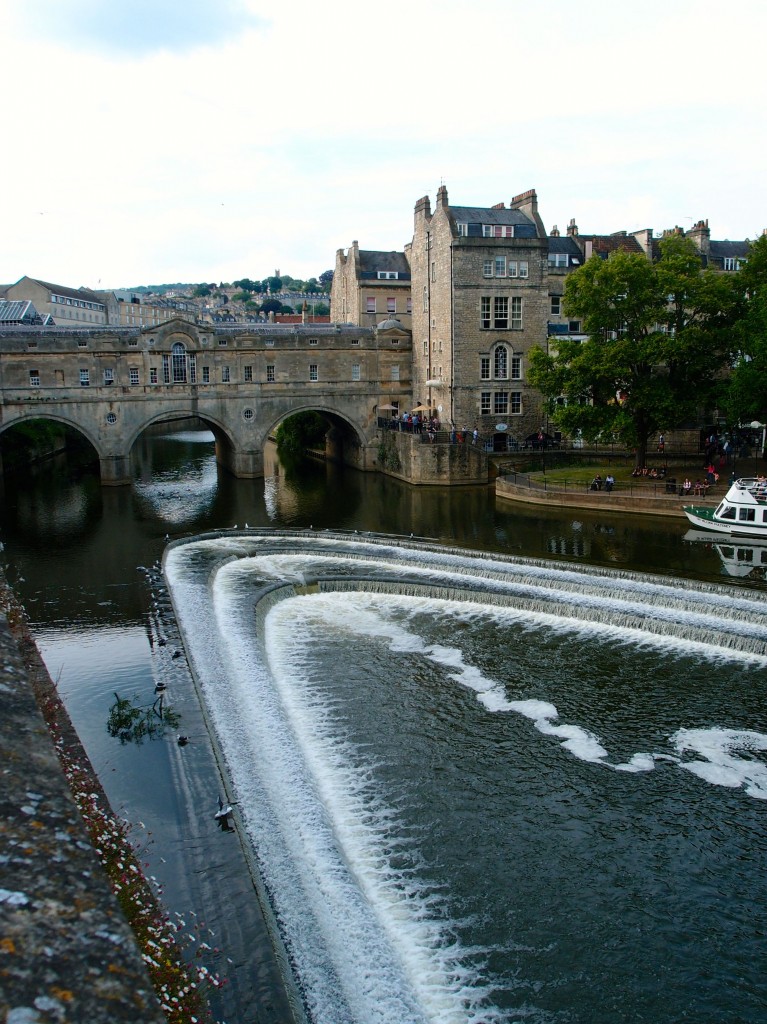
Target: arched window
(178, 363)
(501, 363)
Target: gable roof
(373, 261)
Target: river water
(509, 769)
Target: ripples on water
(488, 789)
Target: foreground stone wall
(67, 953)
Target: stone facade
(370, 286)
(71, 306)
(480, 303)
(112, 383)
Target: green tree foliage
(304, 430)
(326, 279)
(275, 284)
(657, 338)
(201, 291)
(744, 396)
(246, 285)
(271, 306)
(320, 309)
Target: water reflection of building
(746, 559)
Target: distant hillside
(158, 289)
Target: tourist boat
(741, 513)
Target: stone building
(130, 309)
(67, 306)
(480, 303)
(370, 286)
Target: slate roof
(564, 243)
(71, 293)
(372, 261)
(603, 245)
(736, 250)
(524, 227)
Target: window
(395, 373)
(731, 263)
(133, 375)
(434, 271)
(426, 348)
(81, 343)
(269, 342)
(85, 378)
(484, 368)
(498, 230)
(247, 415)
(408, 305)
(524, 268)
(516, 402)
(371, 304)
(270, 373)
(225, 375)
(206, 375)
(314, 371)
(557, 259)
(500, 266)
(484, 403)
(152, 374)
(746, 514)
(516, 313)
(426, 300)
(222, 342)
(355, 371)
(487, 268)
(516, 368)
(500, 312)
(178, 357)
(574, 327)
(109, 377)
(387, 275)
(501, 363)
(485, 311)
(34, 378)
(133, 342)
(391, 305)
(556, 305)
(312, 341)
(355, 341)
(248, 374)
(463, 230)
(501, 403)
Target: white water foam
(721, 765)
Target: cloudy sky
(154, 141)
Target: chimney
(423, 206)
(555, 232)
(701, 235)
(442, 195)
(527, 203)
(572, 229)
(498, 206)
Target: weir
(341, 672)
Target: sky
(159, 141)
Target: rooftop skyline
(154, 141)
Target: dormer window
(497, 230)
(387, 275)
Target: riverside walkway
(643, 498)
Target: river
(494, 763)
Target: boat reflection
(746, 559)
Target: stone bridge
(112, 383)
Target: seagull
(224, 810)
(159, 687)
(176, 654)
(182, 741)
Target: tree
(657, 338)
(201, 291)
(326, 279)
(744, 396)
(274, 283)
(320, 309)
(271, 306)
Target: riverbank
(66, 950)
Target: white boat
(741, 513)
